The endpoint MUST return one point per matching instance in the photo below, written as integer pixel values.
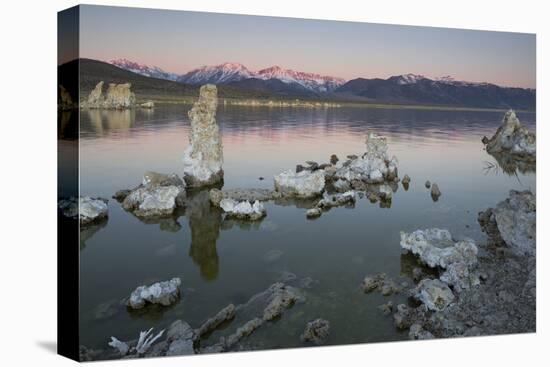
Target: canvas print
(240, 183)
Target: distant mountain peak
(142, 69)
(409, 78)
(229, 72)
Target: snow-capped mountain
(311, 81)
(218, 74)
(145, 70)
(235, 72)
(405, 79)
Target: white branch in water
(121, 346)
(146, 340)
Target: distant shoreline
(294, 103)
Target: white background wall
(28, 181)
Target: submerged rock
(282, 297)
(435, 193)
(316, 331)
(226, 314)
(158, 195)
(248, 328)
(513, 222)
(427, 184)
(330, 201)
(406, 180)
(304, 184)
(380, 282)
(86, 209)
(203, 158)
(148, 105)
(436, 248)
(163, 293)
(243, 209)
(513, 138)
(434, 294)
(313, 213)
(251, 195)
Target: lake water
(221, 263)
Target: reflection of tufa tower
(204, 222)
(203, 158)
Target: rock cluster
(203, 158)
(243, 209)
(162, 293)
(118, 96)
(158, 195)
(86, 209)
(373, 167)
(486, 294)
(513, 138)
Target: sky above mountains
(179, 41)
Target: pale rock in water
(243, 209)
(163, 293)
(513, 138)
(303, 184)
(436, 248)
(158, 195)
(95, 98)
(119, 96)
(374, 166)
(203, 158)
(86, 209)
(513, 221)
(148, 104)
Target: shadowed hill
(93, 71)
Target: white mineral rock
(203, 158)
(374, 166)
(303, 184)
(158, 195)
(436, 248)
(163, 293)
(87, 209)
(119, 96)
(434, 294)
(243, 209)
(514, 138)
(516, 221)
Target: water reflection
(204, 223)
(102, 121)
(90, 230)
(67, 125)
(510, 165)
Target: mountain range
(400, 89)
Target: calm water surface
(221, 263)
